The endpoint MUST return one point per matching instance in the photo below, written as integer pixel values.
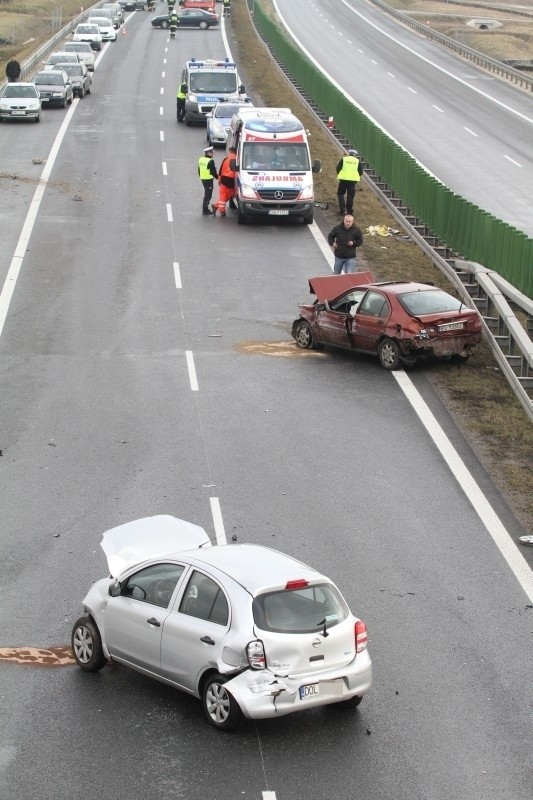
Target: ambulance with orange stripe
(274, 169)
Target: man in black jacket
(345, 238)
(13, 70)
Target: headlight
(248, 191)
(218, 129)
(192, 98)
(307, 193)
(33, 106)
(4, 106)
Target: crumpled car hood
(150, 537)
(329, 287)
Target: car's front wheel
(203, 25)
(164, 24)
(87, 645)
(389, 354)
(304, 335)
(220, 707)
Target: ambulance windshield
(275, 155)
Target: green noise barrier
(464, 227)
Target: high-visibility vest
(203, 170)
(182, 91)
(225, 168)
(227, 2)
(349, 171)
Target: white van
(274, 170)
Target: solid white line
(471, 132)
(161, 136)
(473, 493)
(217, 521)
(169, 213)
(22, 245)
(164, 166)
(177, 275)
(322, 243)
(192, 371)
(512, 161)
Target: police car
(219, 119)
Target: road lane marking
(437, 109)
(160, 111)
(192, 371)
(216, 512)
(269, 795)
(512, 161)
(471, 132)
(177, 275)
(472, 492)
(164, 167)
(161, 136)
(412, 90)
(162, 74)
(162, 90)
(169, 213)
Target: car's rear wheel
(220, 707)
(87, 645)
(203, 25)
(304, 335)
(389, 354)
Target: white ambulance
(274, 169)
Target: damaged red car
(398, 321)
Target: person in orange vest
(226, 183)
(349, 172)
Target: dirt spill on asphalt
(38, 656)
(277, 349)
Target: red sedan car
(397, 321)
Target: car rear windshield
(78, 47)
(87, 29)
(430, 302)
(305, 610)
(49, 79)
(72, 69)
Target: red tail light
(298, 584)
(361, 636)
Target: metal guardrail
(490, 64)
(481, 288)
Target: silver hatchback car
(248, 630)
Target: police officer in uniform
(180, 101)
(227, 8)
(349, 172)
(207, 172)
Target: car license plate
(17, 113)
(311, 690)
(279, 212)
(451, 326)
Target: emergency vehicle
(274, 170)
(209, 81)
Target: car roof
(254, 567)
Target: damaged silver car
(250, 631)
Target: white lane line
(464, 478)
(391, 75)
(177, 275)
(269, 795)
(192, 371)
(162, 74)
(322, 243)
(220, 533)
(160, 111)
(512, 161)
(169, 213)
(412, 90)
(162, 90)
(437, 108)
(373, 62)
(471, 132)
(164, 167)
(161, 136)
(13, 272)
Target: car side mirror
(114, 589)
(319, 307)
(317, 165)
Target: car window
(347, 301)
(13, 90)
(429, 302)
(300, 610)
(374, 305)
(203, 598)
(154, 584)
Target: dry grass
(476, 394)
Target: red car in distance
(396, 320)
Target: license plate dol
(451, 326)
(18, 113)
(279, 212)
(311, 690)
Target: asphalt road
(452, 116)
(318, 455)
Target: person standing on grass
(345, 238)
(349, 172)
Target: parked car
(20, 101)
(88, 33)
(398, 321)
(80, 78)
(249, 630)
(219, 120)
(84, 51)
(107, 30)
(54, 87)
(61, 57)
(188, 18)
(116, 10)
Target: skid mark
(38, 656)
(277, 349)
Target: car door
(370, 321)
(134, 620)
(194, 631)
(332, 327)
